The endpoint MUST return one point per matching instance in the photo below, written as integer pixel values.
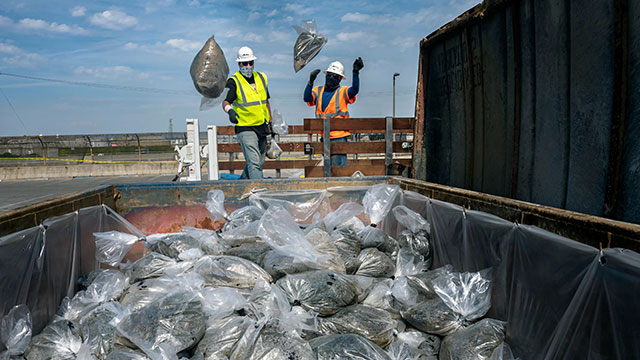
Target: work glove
(358, 65)
(312, 76)
(233, 116)
(269, 128)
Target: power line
(15, 112)
(104, 86)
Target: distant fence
(371, 149)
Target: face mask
(332, 81)
(247, 71)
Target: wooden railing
(378, 155)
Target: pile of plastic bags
(287, 277)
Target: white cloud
(253, 37)
(110, 72)
(9, 49)
(280, 36)
(131, 46)
(184, 45)
(276, 59)
(113, 19)
(348, 36)
(78, 11)
(272, 13)
(298, 9)
(41, 25)
(194, 3)
(18, 57)
(253, 16)
(5, 21)
(356, 17)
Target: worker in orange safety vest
(332, 100)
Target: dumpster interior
(312, 273)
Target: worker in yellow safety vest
(332, 100)
(247, 104)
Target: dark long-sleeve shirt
(327, 95)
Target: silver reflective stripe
(239, 85)
(264, 83)
(253, 103)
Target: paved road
(16, 194)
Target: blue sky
(151, 44)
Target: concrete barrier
(68, 171)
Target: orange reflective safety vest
(336, 109)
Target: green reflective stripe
(239, 85)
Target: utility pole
(394, 95)
(170, 126)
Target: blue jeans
(339, 159)
(254, 149)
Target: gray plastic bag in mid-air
(308, 44)
(209, 70)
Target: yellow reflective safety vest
(250, 103)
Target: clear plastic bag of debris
(108, 285)
(215, 205)
(112, 246)
(163, 328)
(221, 336)
(404, 294)
(375, 263)
(273, 150)
(272, 339)
(342, 215)
(423, 281)
(303, 205)
(59, 340)
(346, 346)
(172, 244)
(347, 243)
(433, 316)
(209, 240)
(308, 44)
(379, 200)
(242, 216)
(98, 328)
(398, 350)
(381, 297)
(409, 262)
(278, 125)
(124, 353)
(371, 237)
(143, 293)
(416, 235)
(149, 266)
(278, 265)
(15, 331)
(324, 292)
(467, 293)
(375, 324)
(278, 229)
(428, 345)
(478, 341)
(229, 271)
(323, 244)
(502, 352)
(209, 70)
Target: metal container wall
(537, 101)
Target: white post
(193, 150)
(212, 135)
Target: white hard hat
(245, 54)
(336, 68)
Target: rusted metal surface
(535, 100)
(16, 220)
(588, 229)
